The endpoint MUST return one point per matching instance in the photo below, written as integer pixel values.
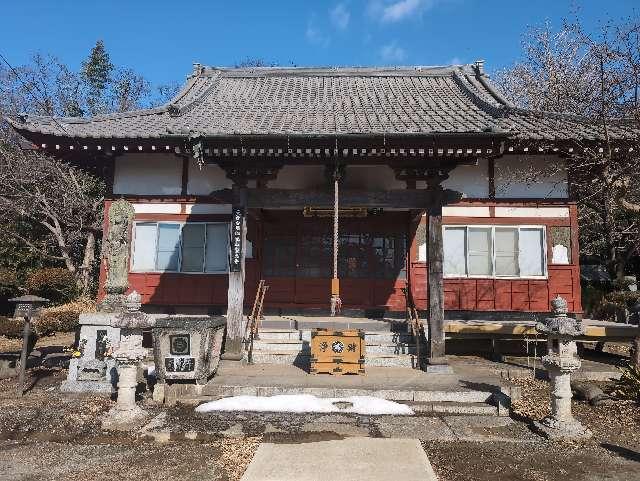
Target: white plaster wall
(148, 174)
(465, 211)
(534, 212)
(299, 177)
(471, 180)
(531, 176)
(372, 177)
(204, 181)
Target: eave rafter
(304, 150)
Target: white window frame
(155, 258)
(543, 228)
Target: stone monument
(116, 255)
(561, 360)
(128, 353)
(93, 371)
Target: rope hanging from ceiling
(335, 301)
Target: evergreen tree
(96, 72)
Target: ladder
(253, 321)
(415, 322)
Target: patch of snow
(305, 403)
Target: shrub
(54, 283)
(63, 318)
(11, 327)
(8, 282)
(628, 386)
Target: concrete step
(294, 346)
(309, 323)
(445, 401)
(302, 359)
(275, 334)
(305, 335)
(453, 407)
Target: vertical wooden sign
(237, 217)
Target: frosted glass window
(454, 251)
(479, 251)
(168, 258)
(506, 240)
(193, 247)
(531, 252)
(144, 248)
(217, 250)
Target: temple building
(443, 189)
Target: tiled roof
(328, 101)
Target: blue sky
(161, 39)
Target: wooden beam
(435, 287)
(185, 176)
(235, 295)
(491, 164)
(398, 198)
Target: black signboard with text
(237, 217)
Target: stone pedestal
(126, 414)
(92, 371)
(562, 359)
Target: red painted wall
(174, 289)
(529, 295)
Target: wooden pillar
(435, 287)
(235, 295)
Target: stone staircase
(387, 344)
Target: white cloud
(340, 16)
(392, 53)
(395, 11)
(316, 36)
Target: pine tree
(96, 72)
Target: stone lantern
(26, 308)
(561, 360)
(128, 353)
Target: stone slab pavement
(362, 459)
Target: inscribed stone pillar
(116, 255)
(235, 294)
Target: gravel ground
(613, 454)
(48, 435)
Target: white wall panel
(372, 177)
(148, 174)
(156, 208)
(207, 208)
(299, 177)
(531, 176)
(465, 211)
(203, 181)
(535, 212)
(471, 180)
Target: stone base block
(553, 428)
(86, 386)
(159, 390)
(439, 369)
(124, 420)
